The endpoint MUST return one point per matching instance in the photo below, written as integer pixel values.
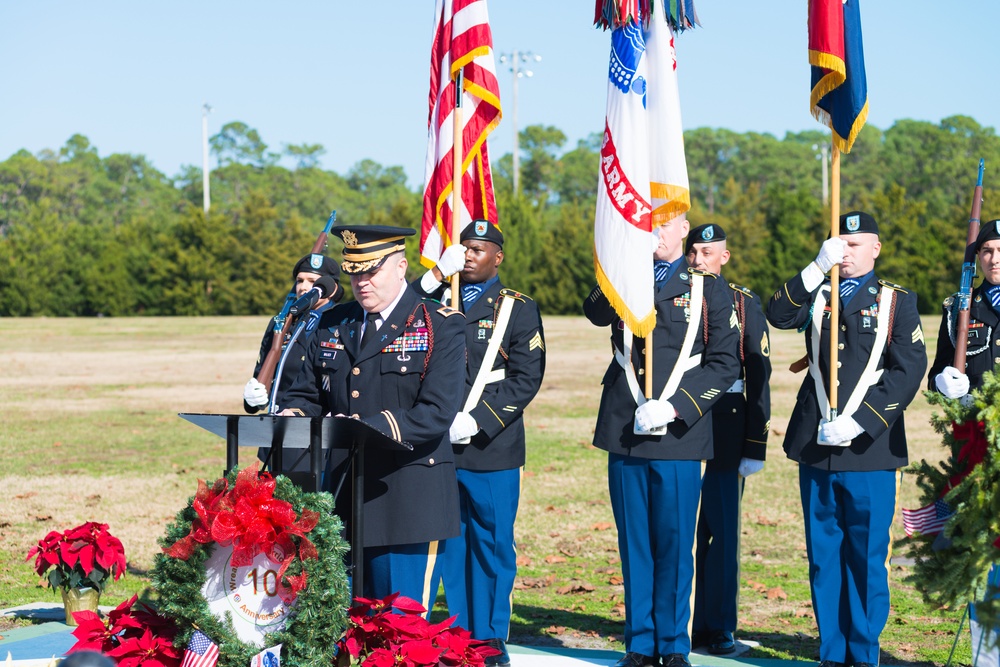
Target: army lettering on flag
(462, 40)
(839, 93)
(643, 178)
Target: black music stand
(318, 434)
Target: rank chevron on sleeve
(536, 342)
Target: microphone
(321, 289)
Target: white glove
(750, 467)
(653, 414)
(831, 253)
(452, 260)
(463, 428)
(952, 382)
(839, 432)
(255, 394)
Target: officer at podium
(395, 361)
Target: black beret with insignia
(709, 233)
(987, 232)
(482, 230)
(858, 222)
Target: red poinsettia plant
(392, 632)
(132, 635)
(81, 557)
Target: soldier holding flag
(848, 466)
(656, 446)
(506, 361)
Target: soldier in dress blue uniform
(306, 272)
(982, 355)
(395, 361)
(983, 352)
(504, 337)
(848, 466)
(741, 421)
(656, 446)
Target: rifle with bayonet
(964, 297)
(283, 320)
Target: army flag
(643, 179)
(839, 92)
(462, 41)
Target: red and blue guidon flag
(839, 97)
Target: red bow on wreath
(972, 452)
(253, 521)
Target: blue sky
(132, 76)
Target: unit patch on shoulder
(536, 342)
(918, 335)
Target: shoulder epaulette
(514, 294)
(698, 272)
(741, 288)
(886, 283)
(448, 311)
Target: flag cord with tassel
(456, 192)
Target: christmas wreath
(256, 514)
(952, 563)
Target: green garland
(318, 617)
(952, 569)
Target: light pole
(824, 156)
(205, 110)
(518, 61)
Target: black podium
(318, 434)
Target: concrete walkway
(41, 645)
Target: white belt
(737, 388)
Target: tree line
(82, 235)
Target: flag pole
(649, 365)
(834, 279)
(456, 176)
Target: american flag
(927, 520)
(462, 40)
(201, 651)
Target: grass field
(90, 432)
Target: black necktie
(370, 328)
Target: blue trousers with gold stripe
(848, 516)
(655, 504)
(403, 568)
(717, 557)
(480, 565)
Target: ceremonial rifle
(968, 273)
(283, 320)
